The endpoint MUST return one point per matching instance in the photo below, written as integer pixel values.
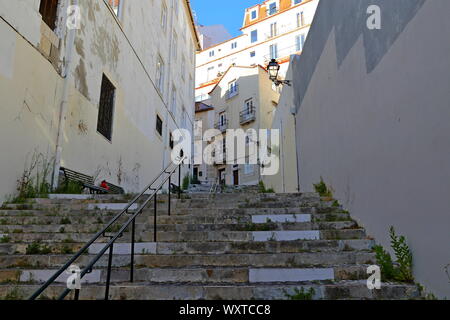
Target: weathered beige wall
(373, 122)
(123, 48)
(29, 88)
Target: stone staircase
(234, 246)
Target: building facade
(274, 29)
(96, 87)
(244, 99)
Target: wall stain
(80, 79)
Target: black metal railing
(222, 125)
(231, 92)
(162, 178)
(247, 115)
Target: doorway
(236, 177)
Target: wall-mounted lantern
(274, 68)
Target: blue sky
(230, 13)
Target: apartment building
(245, 99)
(273, 29)
(97, 87)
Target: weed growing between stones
(301, 294)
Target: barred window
(106, 108)
(48, 9)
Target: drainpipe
(67, 75)
(169, 88)
(296, 150)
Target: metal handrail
(119, 234)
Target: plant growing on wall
(34, 181)
(186, 181)
(401, 270)
(322, 189)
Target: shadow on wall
(395, 16)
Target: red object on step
(104, 185)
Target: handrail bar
(103, 231)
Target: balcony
(247, 115)
(222, 126)
(232, 92)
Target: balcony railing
(221, 125)
(232, 92)
(248, 115)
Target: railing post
(179, 181)
(169, 194)
(133, 231)
(76, 296)
(154, 218)
(108, 275)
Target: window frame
(49, 12)
(254, 36)
(160, 74)
(159, 125)
(106, 84)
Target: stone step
(193, 275)
(143, 291)
(142, 227)
(181, 236)
(163, 218)
(206, 248)
(259, 260)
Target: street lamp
(274, 68)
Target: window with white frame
(299, 42)
(163, 17)
(176, 6)
(209, 73)
(173, 105)
(272, 8)
(248, 106)
(254, 36)
(273, 51)
(300, 19)
(254, 14)
(211, 53)
(234, 45)
(183, 67)
(273, 29)
(160, 70)
(175, 45)
(233, 87)
(183, 118)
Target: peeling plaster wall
(125, 50)
(373, 110)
